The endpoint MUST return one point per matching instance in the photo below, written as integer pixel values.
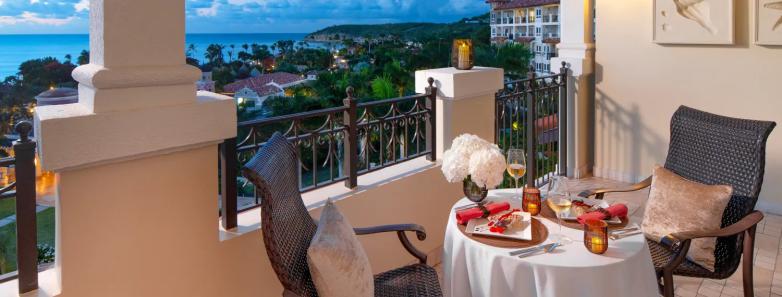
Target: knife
(548, 249)
(532, 249)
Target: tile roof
(510, 4)
(261, 84)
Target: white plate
(523, 232)
(601, 203)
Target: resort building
(531, 22)
(206, 83)
(255, 90)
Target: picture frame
(709, 22)
(768, 22)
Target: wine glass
(558, 199)
(517, 165)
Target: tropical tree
(214, 54)
(383, 88)
(84, 57)
(191, 50)
(231, 52)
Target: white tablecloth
(475, 269)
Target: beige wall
(117, 238)
(640, 84)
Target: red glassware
(596, 236)
(531, 201)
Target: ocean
(15, 49)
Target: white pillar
(136, 160)
(465, 101)
(577, 49)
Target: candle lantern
(462, 54)
(596, 236)
(531, 201)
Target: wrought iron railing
(23, 189)
(333, 145)
(538, 102)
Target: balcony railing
(333, 145)
(538, 102)
(23, 189)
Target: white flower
(487, 167)
(456, 161)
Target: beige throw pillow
(677, 204)
(338, 264)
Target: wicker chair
(712, 149)
(288, 229)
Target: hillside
(406, 31)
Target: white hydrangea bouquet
(477, 163)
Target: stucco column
(136, 160)
(577, 49)
(465, 101)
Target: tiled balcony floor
(768, 262)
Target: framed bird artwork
(693, 21)
(768, 22)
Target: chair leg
(749, 248)
(668, 284)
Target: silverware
(624, 230)
(547, 250)
(623, 235)
(532, 249)
(468, 206)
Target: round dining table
(475, 269)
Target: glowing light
(240, 100)
(515, 125)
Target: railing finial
(23, 128)
(564, 64)
(350, 91)
(430, 81)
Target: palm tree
(68, 58)
(191, 50)
(214, 54)
(231, 52)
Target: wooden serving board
(539, 235)
(549, 214)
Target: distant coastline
(17, 48)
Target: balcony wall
(147, 225)
(639, 84)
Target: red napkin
(464, 216)
(616, 210)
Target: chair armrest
(418, 229)
(750, 220)
(599, 193)
(679, 242)
(400, 232)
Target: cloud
(33, 18)
(82, 5)
(34, 1)
(208, 11)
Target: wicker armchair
(288, 229)
(713, 149)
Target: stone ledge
(467, 83)
(71, 136)
(250, 221)
(99, 77)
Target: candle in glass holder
(596, 236)
(462, 54)
(531, 201)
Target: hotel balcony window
(538, 32)
(538, 12)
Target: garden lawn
(45, 224)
